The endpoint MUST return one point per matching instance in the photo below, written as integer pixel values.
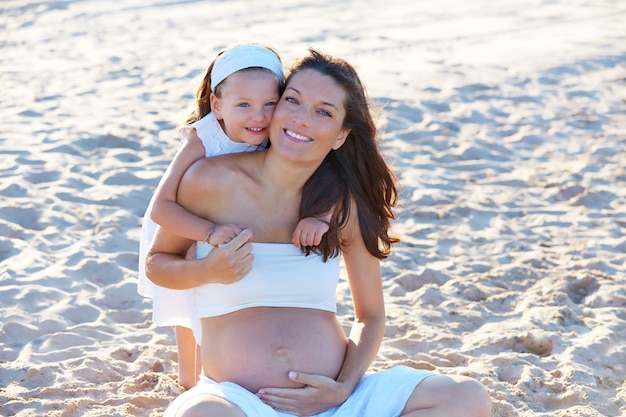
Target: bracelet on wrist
(210, 233)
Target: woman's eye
(325, 113)
(291, 100)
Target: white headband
(246, 56)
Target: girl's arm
(165, 210)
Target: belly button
(281, 352)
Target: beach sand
(504, 121)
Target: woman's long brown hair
(355, 172)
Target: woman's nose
(301, 115)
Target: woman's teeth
(298, 136)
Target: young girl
(235, 100)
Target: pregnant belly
(258, 347)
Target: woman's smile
(297, 136)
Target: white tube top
(281, 276)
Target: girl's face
(246, 105)
(308, 121)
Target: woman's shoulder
(222, 167)
(216, 178)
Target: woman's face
(308, 121)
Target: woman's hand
(231, 261)
(319, 394)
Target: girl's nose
(258, 114)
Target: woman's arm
(166, 211)
(364, 277)
(166, 265)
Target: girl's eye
(243, 105)
(271, 104)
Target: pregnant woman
(271, 343)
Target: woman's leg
(189, 364)
(210, 406)
(448, 396)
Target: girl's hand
(309, 232)
(224, 233)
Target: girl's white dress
(176, 307)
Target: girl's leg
(448, 396)
(189, 364)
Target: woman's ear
(341, 138)
(215, 106)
